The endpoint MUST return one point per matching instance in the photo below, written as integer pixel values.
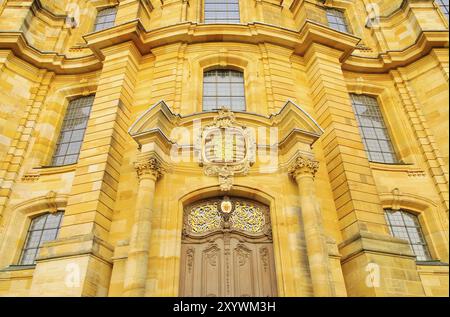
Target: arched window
(223, 88)
(406, 226)
(373, 130)
(222, 11)
(72, 131)
(42, 229)
(105, 19)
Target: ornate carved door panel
(227, 250)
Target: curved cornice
(255, 33)
(252, 33)
(52, 61)
(384, 62)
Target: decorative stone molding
(149, 165)
(51, 201)
(303, 165)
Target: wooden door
(227, 254)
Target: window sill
(407, 168)
(37, 172)
(431, 263)
(13, 268)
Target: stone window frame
(26, 246)
(411, 154)
(20, 221)
(418, 230)
(254, 82)
(223, 60)
(430, 216)
(384, 126)
(355, 23)
(203, 18)
(55, 107)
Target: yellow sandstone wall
(157, 51)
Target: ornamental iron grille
(233, 214)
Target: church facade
(224, 148)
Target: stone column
(149, 169)
(302, 170)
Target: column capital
(149, 166)
(303, 165)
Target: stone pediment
(158, 122)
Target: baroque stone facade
(340, 218)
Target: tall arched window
(223, 88)
(374, 133)
(72, 131)
(406, 226)
(42, 229)
(222, 11)
(105, 19)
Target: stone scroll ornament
(226, 149)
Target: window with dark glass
(72, 131)
(373, 130)
(105, 19)
(223, 88)
(42, 229)
(443, 4)
(336, 20)
(222, 11)
(406, 226)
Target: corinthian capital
(149, 165)
(303, 165)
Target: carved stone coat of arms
(226, 148)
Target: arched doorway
(227, 249)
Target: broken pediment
(292, 122)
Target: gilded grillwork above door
(227, 213)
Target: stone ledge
(374, 243)
(75, 246)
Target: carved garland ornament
(226, 149)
